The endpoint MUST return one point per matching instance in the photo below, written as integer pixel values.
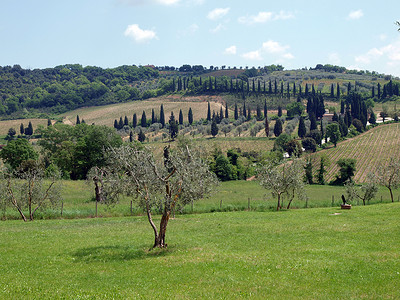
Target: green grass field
(323, 253)
(230, 196)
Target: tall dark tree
(141, 136)
(21, 129)
(373, 91)
(270, 87)
(313, 121)
(248, 114)
(143, 120)
(78, 121)
(337, 90)
(29, 129)
(278, 127)
(266, 126)
(190, 116)
(180, 117)
(126, 122)
(302, 131)
(276, 88)
(153, 116)
(244, 109)
(379, 90)
(226, 111)
(265, 108)
(116, 124)
(131, 136)
(306, 91)
(221, 115)
(48, 122)
(173, 126)
(294, 89)
(162, 116)
(332, 91)
(214, 128)
(120, 123)
(236, 113)
(134, 121)
(279, 111)
(208, 112)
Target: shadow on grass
(117, 253)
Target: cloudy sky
(109, 33)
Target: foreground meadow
(322, 253)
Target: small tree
(180, 117)
(143, 120)
(173, 126)
(181, 178)
(302, 131)
(29, 129)
(21, 129)
(141, 136)
(18, 151)
(333, 133)
(287, 179)
(365, 193)
(321, 170)
(214, 128)
(388, 175)
(78, 121)
(266, 127)
(347, 168)
(309, 144)
(11, 132)
(190, 116)
(26, 188)
(278, 127)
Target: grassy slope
(369, 149)
(293, 254)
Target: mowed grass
(230, 196)
(370, 149)
(6, 125)
(323, 253)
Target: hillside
(369, 149)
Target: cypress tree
(266, 126)
(244, 109)
(288, 90)
(131, 136)
(153, 116)
(372, 118)
(226, 111)
(294, 89)
(379, 90)
(162, 116)
(126, 122)
(259, 114)
(342, 107)
(190, 116)
(29, 129)
(373, 92)
(21, 129)
(337, 91)
(236, 112)
(265, 108)
(300, 93)
(332, 91)
(248, 114)
(322, 133)
(302, 131)
(115, 124)
(348, 88)
(143, 120)
(306, 92)
(282, 87)
(141, 136)
(276, 88)
(270, 87)
(278, 127)
(214, 128)
(279, 111)
(221, 114)
(173, 126)
(120, 123)
(78, 121)
(180, 117)
(313, 90)
(335, 117)
(313, 121)
(48, 122)
(208, 112)
(134, 121)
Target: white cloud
(355, 14)
(252, 55)
(218, 13)
(218, 28)
(388, 55)
(265, 16)
(168, 2)
(270, 47)
(383, 37)
(274, 47)
(138, 34)
(230, 50)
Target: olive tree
(388, 175)
(181, 178)
(27, 189)
(365, 192)
(286, 179)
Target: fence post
(333, 200)
(131, 207)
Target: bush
(309, 144)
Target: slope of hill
(370, 149)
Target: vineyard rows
(370, 149)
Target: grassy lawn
(306, 253)
(230, 196)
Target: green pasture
(322, 253)
(230, 196)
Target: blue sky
(109, 33)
